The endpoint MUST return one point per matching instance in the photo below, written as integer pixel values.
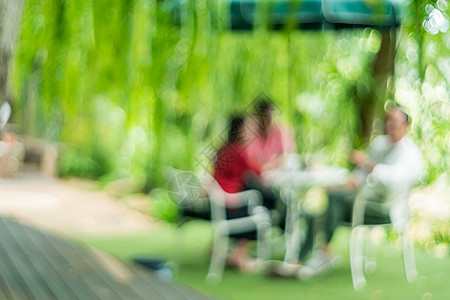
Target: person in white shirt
(392, 165)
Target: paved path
(70, 207)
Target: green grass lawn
(189, 247)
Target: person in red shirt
(231, 165)
(230, 170)
(255, 144)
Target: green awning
(314, 14)
(307, 14)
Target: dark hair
(234, 127)
(407, 118)
(263, 103)
(405, 115)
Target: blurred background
(123, 88)
(126, 87)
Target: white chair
(362, 256)
(258, 216)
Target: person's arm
(288, 139)
(284, 139)
(361, 159)
(404, 166)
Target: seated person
(267, 142)
(230, 169)
(393, 161)
(234, 172)
(230, 165)
(267, 145)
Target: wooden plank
(169, 290)
(165, 290)
(57, 261)
(150, 286)
(143, 288)
(43, 263)
(118, 286)
(131, 279)
(17, 259)
(146, 284)
(36, 265)
(146, 291)
(87, 267)
(76, 272)
(4, 290)
(12, 288)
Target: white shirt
(397, 163)
(398, 168)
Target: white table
(293, 184)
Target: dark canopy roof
(316, 14)
(303, 14)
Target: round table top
(321, 176)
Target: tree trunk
(370, 104)
(10, 13)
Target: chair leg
(408, 258)
(356, 257)
(292, 232)
(264, 247)
(370, 263)
(219, 254)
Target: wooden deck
(38, 265)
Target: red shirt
(230, 167)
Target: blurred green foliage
(127, 91)
(163, 207)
